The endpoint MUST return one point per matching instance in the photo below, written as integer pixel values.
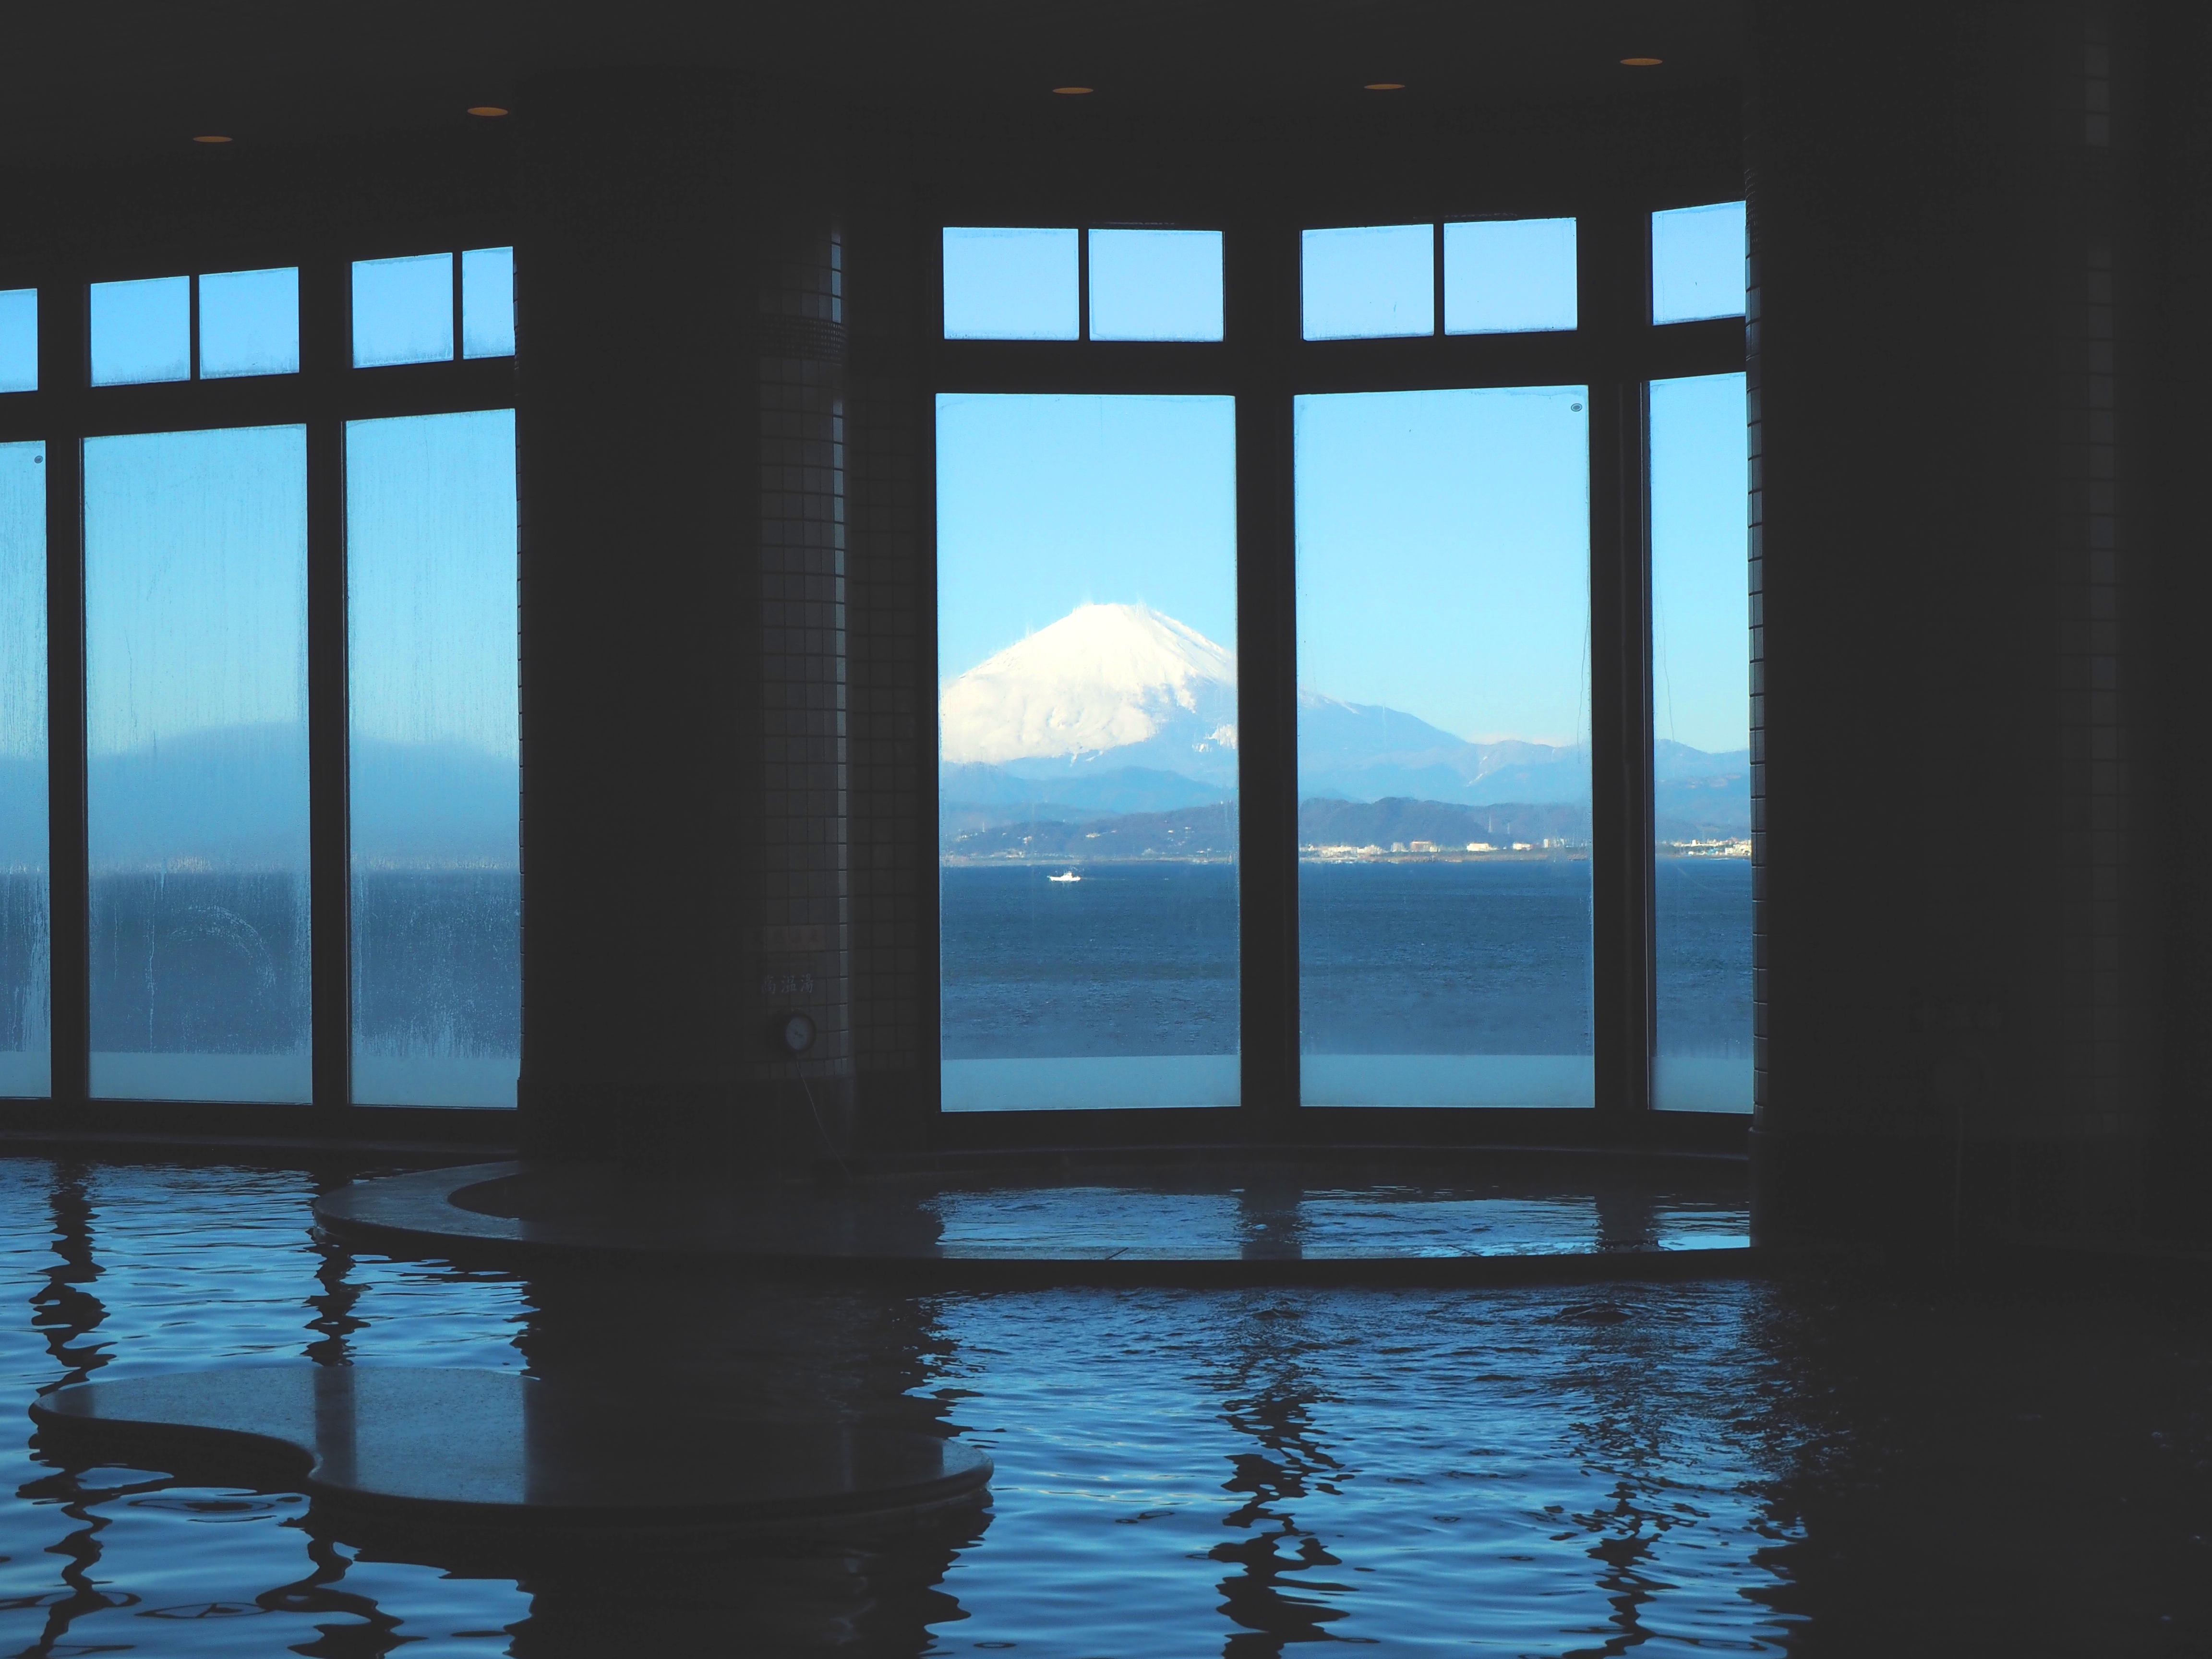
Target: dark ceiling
(119, 80)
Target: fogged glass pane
(1086, 608)
(195, 715)
(19, 340)
(1370, 281)
(403, 310)
(1155, 284)
(142, 331)
(1443, 754)
(437, 883)
(249, 323)
(1507, 276)
(1701, 755)
(1697, 263)
(1010, 284)
(487, 302)
(24, 898)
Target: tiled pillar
(790, 811)
(681, 361)
(2170, 568)
(892, 716)
(1954, 918)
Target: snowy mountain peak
(1104, 677)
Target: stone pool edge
(413, 1215)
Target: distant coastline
(1393, 830)
(1371, 853)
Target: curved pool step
(485, 1447)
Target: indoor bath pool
(1788, 1464)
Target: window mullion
(326, 350)
(1260, 325)
(62, 372)
(1620, 745)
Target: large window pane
(1697, 263)
(195, 712)
(1087, 743)
(1011, 284)
(437, 892)
(1444, 757)
(1700, 761)
(24, 900)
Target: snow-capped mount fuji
(1107, 686)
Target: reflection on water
(1811, 1465)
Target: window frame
(1262, 362)
(1265, 363)
(323, 396)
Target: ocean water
(200, 986)
(1813, 1467)
(1421, 983)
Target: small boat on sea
(1065, 875)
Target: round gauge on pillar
(795, 1030)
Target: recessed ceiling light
(1386, 86)
(1071, 92)
(486, 109)
(212, 138)
(1643, 63)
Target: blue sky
(1443, 557)
(1025, 284)
(195, 583)
(430, 535)
(1442, 543)
(1700, 607)
(1442, 538)
(22, 601)
(1044, 503)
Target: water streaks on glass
(1700, 762)
(1444, 757)
(25, 896)
(436, 880)
(1087, 749)
(195, 547)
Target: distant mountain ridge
(1363, 751)
(235, 797)
(1211, 832)
(1120, 708)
